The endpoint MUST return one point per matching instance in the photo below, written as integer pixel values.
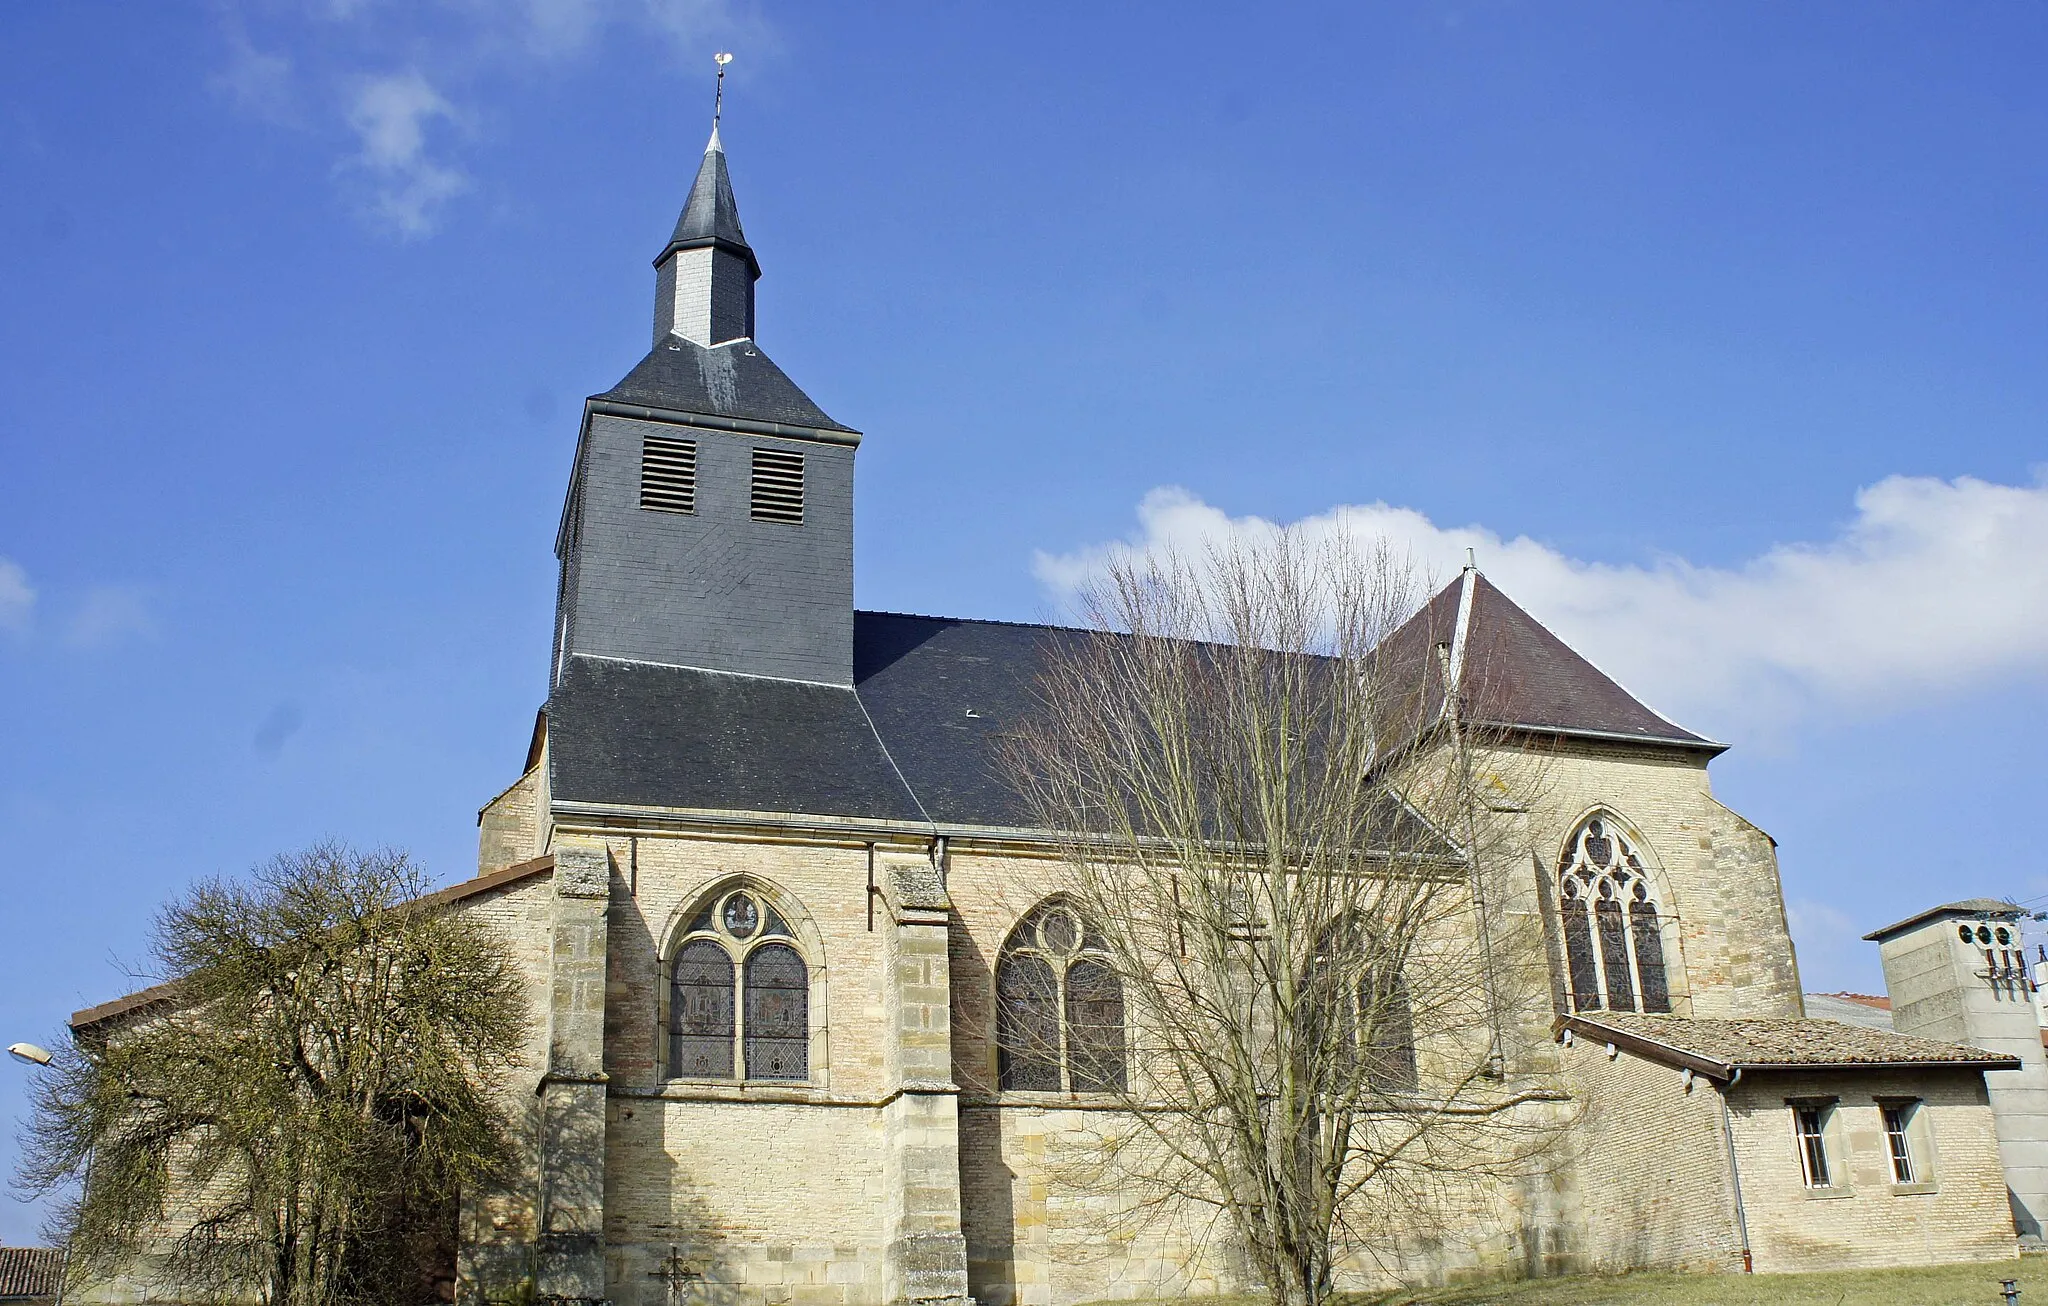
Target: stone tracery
(1613, 931)
(739, 994)
(1059, 1007)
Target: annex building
(765, 877)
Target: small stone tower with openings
(709, 521)
(1958, 973)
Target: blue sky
(1718, 329)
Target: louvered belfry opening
(668, 474)
(778, 486)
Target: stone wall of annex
(1864, 1220)
(1648, 1161)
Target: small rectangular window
(1810, 1123)
(668, 474)
(778, 492)
(1898, 1124)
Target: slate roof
(1717, 1048)
(1967, 907)
(917, 739)
(30, 1272)
(735, 379)
(1513, 672)
(711, 216)
(654, 736)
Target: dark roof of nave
(918, 738)
(735, 379)
(1516, 673)
(1718, 1048)
(642, 735)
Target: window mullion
(739, 1017)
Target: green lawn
(1953, 1285)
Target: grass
(1948, 1285)
(1943, 1285)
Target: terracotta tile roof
(1718, 1048)
(1879, 1001)
(166, 992)
(30, 1272)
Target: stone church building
(764, 874)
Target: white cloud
(1932, 586)
(17, 597)
(108, 614)
(283, 61)
(390, 116)
(258, 82)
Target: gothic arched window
(739, 995)
(1059, 1008)
(1613, 934)
(1374, 1020)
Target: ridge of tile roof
(1719, 1048)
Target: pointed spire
(706, 273)
(711, 216)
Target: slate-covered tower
(709, 521)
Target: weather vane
(722, 58)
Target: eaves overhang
(1725, 1071)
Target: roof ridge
(971, 621)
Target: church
(761, 869)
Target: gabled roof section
(711, 216)
(918, 739)
(944, 693)
(734, 380)
(1510, 671)
(642, 735)
(1719, 1048)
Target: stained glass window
(1059, 1008)
(1389, 1024)
(1649, 939)
(1578, 949)
(1612, 927)
(700, 1012)
(1095, 1027)
(778, 1014)
(1028, 1023)
(739, 995)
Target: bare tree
(1279, 890)
(292, 1120)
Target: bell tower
(709, 519)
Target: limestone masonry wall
(1718, 873)
(1650, 1165)
(1864, 1220)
